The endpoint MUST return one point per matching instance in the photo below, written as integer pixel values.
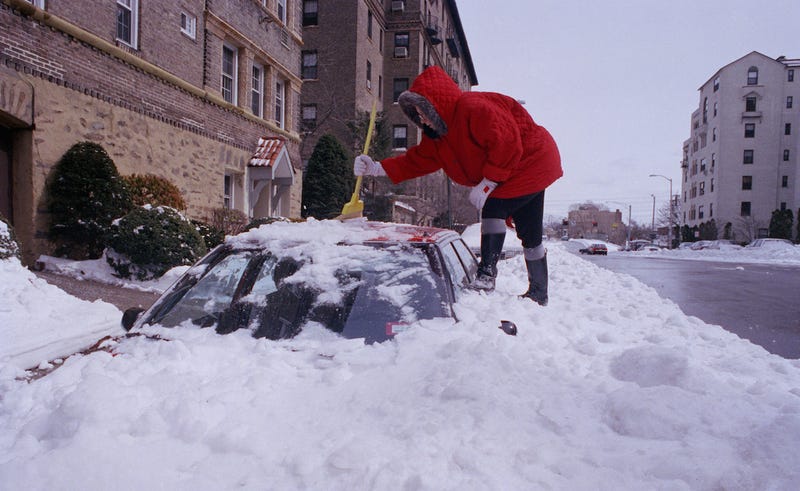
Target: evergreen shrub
(148, 242)
(212, 236)
(85, 194)
(329, 181)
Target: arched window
(752, 76)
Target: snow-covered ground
(609, 387)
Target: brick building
(590, 222)
(204, 93)
(359, 51)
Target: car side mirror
(130, 316)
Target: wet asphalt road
(757, 302)
(123, 298)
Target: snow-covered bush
(8, 244)
(212, 236)
(85, 194)
(147, 242)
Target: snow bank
(609, 387)
(39, 322)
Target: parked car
(771, 243)
(364, 280)
(714, 244)
(595, 249)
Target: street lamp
(669, 233)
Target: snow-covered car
(772, 244)
(360, 279)
(714, 244)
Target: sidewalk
(122, 298)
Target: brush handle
(354, 198)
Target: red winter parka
(475, 135)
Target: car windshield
(371, 297)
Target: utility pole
(669, 234)
(653, 224)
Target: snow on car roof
(332, 232)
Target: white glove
(480, 192)
(365, 166)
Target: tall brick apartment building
(359, 51)
(203, 92)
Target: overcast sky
(615, 81)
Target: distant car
(370, 282)
(771, 244)
(714, 244)
(593, 249)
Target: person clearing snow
(487, 141)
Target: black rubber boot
(537, 281)
(491, 248)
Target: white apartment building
(741, 161)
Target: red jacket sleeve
(494, 128)
(418, 161)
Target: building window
(309, 69)
(310, 13)
(309, 115)
(786, 155)
(783, 205)
(750, 130)
(280, 103)
(700, 212)
(712, 185)
(747, 183)
(369, 24)
(787, 129)
(791, 75)
(716, 105)
(257, 91)
(369, 75)
(745, 209)
(399, 86)
(714, 135)
(702, 188)
(401, 43)
(36, 3)
(713, 160)
(752, 76)
(702, 165)
(127, 21)
(227, 192)
(750, 104)
(789, 101)
(188, 24)
(748, 157)
(711, 210)
(282, 10)
(785, 181)
(229, 71)
(400, 136)
(716, 84)
(380, 86)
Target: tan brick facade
(156, 109)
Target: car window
(467, 259)
(458, 275)
(203, 301)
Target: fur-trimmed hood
(436, 95)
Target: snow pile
(99, 270)
(39, 322)
(785, 255)
(609, 387)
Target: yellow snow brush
(355, 207)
